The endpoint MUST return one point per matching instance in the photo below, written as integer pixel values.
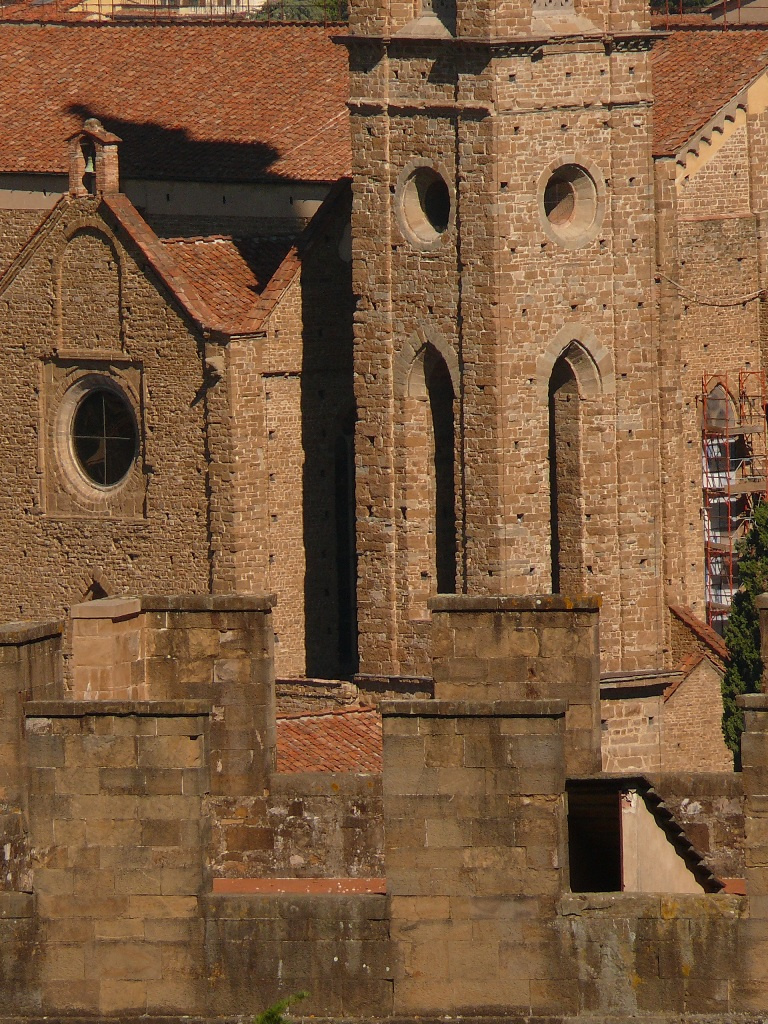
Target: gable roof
(224, 102)
(341, 740)
(229, 273)
(695, 73)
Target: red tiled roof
(229, 273)
(342, 740)
(695, 74)
(221, 102)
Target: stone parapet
(30, 666)
(216, 648)
(475, 837)
(507, 648)
(117, 828)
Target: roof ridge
(173, 277)
(357, 708)
(43, 229)
(183, 239)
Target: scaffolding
(734, 446)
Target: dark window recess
(441, 398)
(104, 437)
(346, 558)
(594, 840)
(437, 204)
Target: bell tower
(503, 246)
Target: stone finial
(93, 161)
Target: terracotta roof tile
(695, 74)
(220, 102)
(342, 740)
(229, 273)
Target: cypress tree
(742, 633)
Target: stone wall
(710, 809)
(711, 256)
(507, 648)
(211, 502)
(335, 947)
(154, 534)
(174, 873)
(691, 724)
(116, 824)
(327, 825)
(475, 839)
(16, 227)
(631, 731)
(499, 298)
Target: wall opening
(622, 837)
(346, 550)
(565, 477)
(428, 506)
(440, 392)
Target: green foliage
(742, 634)
(312, 11)
(276, 1014)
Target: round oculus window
(426, 204)
(570, 204)
(104, 437)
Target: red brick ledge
(312, 886)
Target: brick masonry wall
(631, 740)
(691, 724)
(15, 228)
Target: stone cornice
(514, 46)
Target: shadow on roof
(154, 151)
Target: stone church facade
(555, 235)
